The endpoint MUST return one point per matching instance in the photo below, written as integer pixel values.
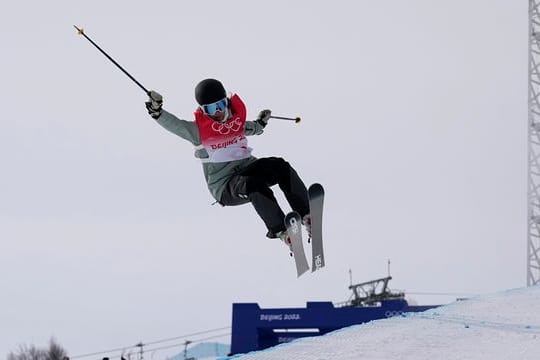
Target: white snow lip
(504, 325)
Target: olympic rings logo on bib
(228, 127)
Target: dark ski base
(293, 223)
(316, 202)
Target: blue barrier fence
(254, 328)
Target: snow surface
(500, 326)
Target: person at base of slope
(233, 175)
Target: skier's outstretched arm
(256, 127)
(183, 128)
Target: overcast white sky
(414, 119)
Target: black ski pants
(253, 184)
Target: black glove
(263, 117)
(154, 104)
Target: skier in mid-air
(234, 176)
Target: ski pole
(296, 119)
(81, 32)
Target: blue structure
(254, 328)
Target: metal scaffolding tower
(533, 236)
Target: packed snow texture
(500, 326)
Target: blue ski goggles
(211, 109)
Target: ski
(293, 223)
(316, 201)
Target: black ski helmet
(209, 91)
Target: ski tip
(292, 215)
(316, 188)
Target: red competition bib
(227, 141)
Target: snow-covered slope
(500, 326)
